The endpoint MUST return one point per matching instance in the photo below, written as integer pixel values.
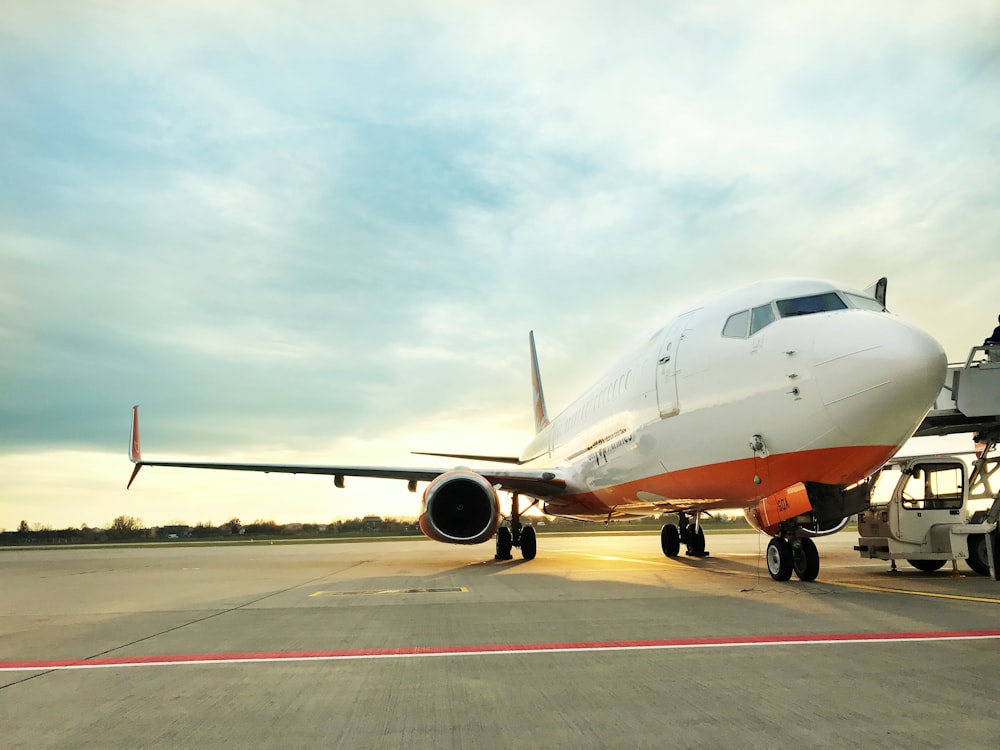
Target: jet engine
(460, 507)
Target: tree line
(129, 528)
(125, 528)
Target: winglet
(537, 397)
(134, 453)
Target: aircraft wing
(536, 483)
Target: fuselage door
(666, 367)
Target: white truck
(929, 510)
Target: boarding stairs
(970, 398)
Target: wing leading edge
(541, 483)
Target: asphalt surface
(412, 644)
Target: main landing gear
(691, 534)
(517, 535)
(785, 556)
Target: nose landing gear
(798, 555)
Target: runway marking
(932, 594)
(812, 639)
(375, 592)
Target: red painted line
(486, 649)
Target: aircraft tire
(528, 543)
(978, 559)
(504, 544)
(805, 559)
(696, 545)
(779, 559)
(928, 566)
(670, 540)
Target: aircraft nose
(878, 388)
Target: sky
(320, 232)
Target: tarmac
(600, 642)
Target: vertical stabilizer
(134, 452)
(537, 397)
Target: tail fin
(134, 453)
(537, 397)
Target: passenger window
(762, 316)
(736, 326)
(815, 303)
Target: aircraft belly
(729, 484)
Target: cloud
(273, 228)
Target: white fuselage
(702, 416)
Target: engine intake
(460, 507)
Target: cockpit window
(864, 303)
(814, 303)
(760, 317)
(736, 325)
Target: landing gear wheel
(670, 540)
(696, 543)
(505, 543)
(928, 566)
(978, 559)
(528, 543)
(779, 559)
(805, 559)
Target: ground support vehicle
(929, 510)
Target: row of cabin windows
(748, 322)
(615, 388)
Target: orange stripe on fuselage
(731, 484)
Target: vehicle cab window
(933, 488)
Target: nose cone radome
(881, 383)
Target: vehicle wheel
(928, 566)
(779, 559)
(805, 559)
(504, 544)
(978, 559)
(528, 546)
(670, 540)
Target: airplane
(779, 398)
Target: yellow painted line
(377, 592)
(887, 589)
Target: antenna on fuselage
(537, 397)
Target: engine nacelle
(460, 507)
